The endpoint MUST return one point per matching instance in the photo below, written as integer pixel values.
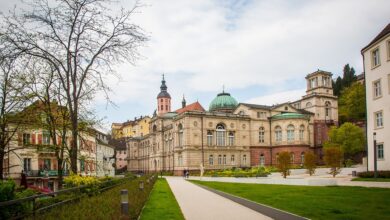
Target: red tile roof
(196, 106)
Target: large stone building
(376, 59)
(131, 128)
(232, 134)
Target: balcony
(45, 173)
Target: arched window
(219, 159)
(292, 156)
(224, 159)
(262, 160)
(278, 134)
(308, 105)
(211, 160)
(327, 109)
(244, 159)
(290, 133)
(220, 135)
(180, 136)
(231, 138)
(261, 135)
(301, 132)
(302, 157)
(209, 138)
(232, 161)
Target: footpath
(198, 203)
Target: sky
(259, 50)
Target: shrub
(310, 162)
(333, 157)
(284, 163)
(261, 172)
(370, 174)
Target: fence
(9, 209)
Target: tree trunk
(1, 162)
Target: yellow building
(136, 128)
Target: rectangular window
(375, 57)
(261, 136)
(244, 159)
(378, 119)
(224, 159)
(377, 88)
(211, 160)
(45, 138)
(26, 139)
(47, 164)
(232, 160)
(27, 164)
(388, 50)
(380, 153)
(209, 138)
(219, 159)
(258, 114)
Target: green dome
(223, 102)
(289, 115)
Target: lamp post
(375, 158)
(124, 202)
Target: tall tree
(82, 40)
(348, 137)
(352, 103)
(348, 78)
(13, 98)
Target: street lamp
(375, 158)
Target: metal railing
(32, 200)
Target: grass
(105, 205)
(315, 202)
(161, 204)
(372, 179)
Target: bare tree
(82, 40)
(42, 81)
(12, 100)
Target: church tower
(163, 99)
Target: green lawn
(372, 179)
(162, 203)
(315, 202)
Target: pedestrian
(23, 181)
(188, 174)
(184, 173)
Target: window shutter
(20, 139)
(32, 138)
(39, 138)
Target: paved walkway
(198, 203)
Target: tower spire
(183, 102)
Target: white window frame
(220, 135)
(211, 160)
(375, 57)
(232, 160)
(378, 120)
(261, 135)
(290, 133)
(278, 134)
(262, 160)
(231, 138)
(209, 138)
(377, 88)
(378, 150)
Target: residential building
(376, 60)
(135, 128)
(232, 134)
(105, 155)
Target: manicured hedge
(370, 174)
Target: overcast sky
(260, 50)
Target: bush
(333, 157)
(370, 174)
(284, 163)
(310, 163)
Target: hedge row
(370, 174)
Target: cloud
(278, 98)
